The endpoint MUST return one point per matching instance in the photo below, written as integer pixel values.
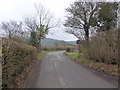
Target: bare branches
(40, 25)
(80, 16)
(76, 32)
(44, 17)
(31, 23)
(12, 28)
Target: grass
(78, 58)
(69, 46)
(42, 54)
(108, 69)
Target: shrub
(103, 47)
(69, 49)
(17, 56)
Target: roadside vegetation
(108, 69)
(101, 54)
(18, 58)
(96, 25)
(57, 48)
(22, 45)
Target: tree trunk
(10, 36)
(86, 33)
(79, 49)
(39, 47)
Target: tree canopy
(82, 17)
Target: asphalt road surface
(59, 71)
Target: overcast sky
(18, 9)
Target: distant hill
(54, 42)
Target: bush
(103, 47)
(17, 56)
(69, 49)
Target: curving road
(59, 71)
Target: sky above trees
(18, 9)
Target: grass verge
(108, 69)
(78, 58)
(42, 54)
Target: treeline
(95, 24)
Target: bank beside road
(109, 70)
(19, 61)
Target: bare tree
(40, 25)
(81, 17)
(12, 28)
(31, 26)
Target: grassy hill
(54, 42)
